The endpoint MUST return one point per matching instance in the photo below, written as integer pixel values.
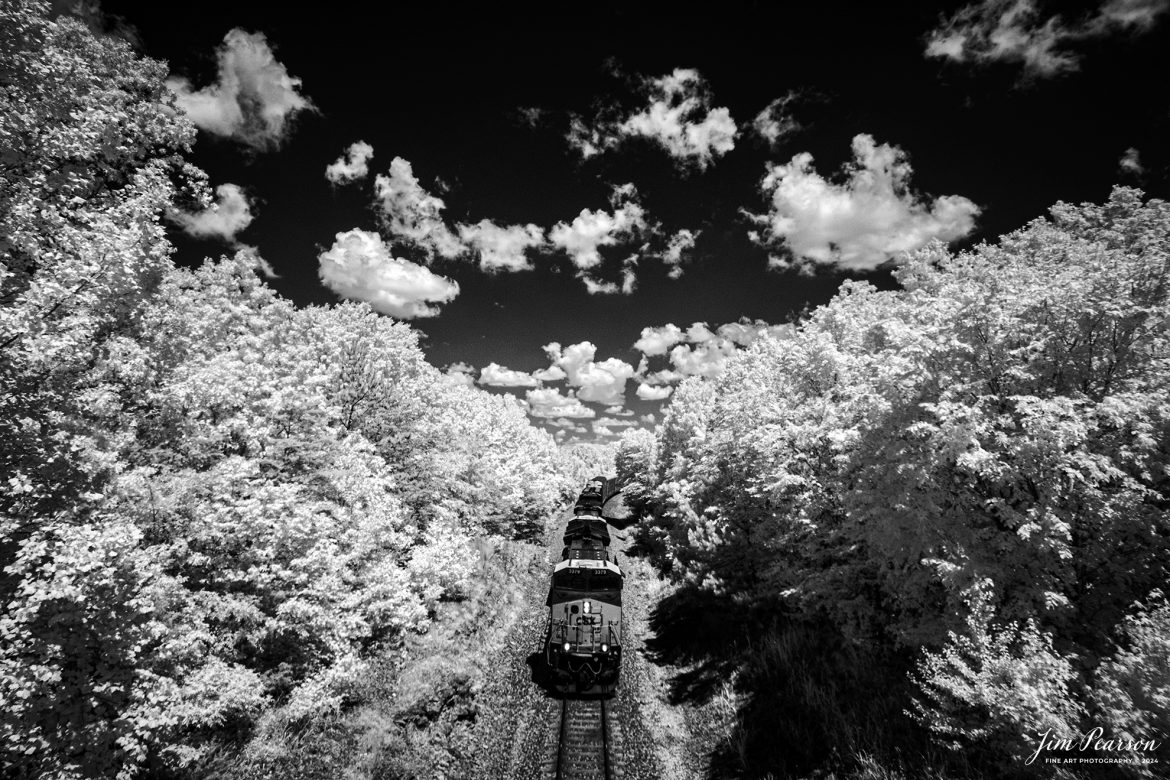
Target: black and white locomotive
(583, 645)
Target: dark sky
(441, 87)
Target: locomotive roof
(587, 563)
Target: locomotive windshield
(573, 584)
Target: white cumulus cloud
(679, 243)
(699, 332)
(1131, 162)
(745, 332)
(254, 98)
(696, 351)
(601, 428)
(653, 393)
(550, 374)
(1140, 15)
(602, 382)
(862, 223)
(775, 122)
(359, 266)
(412, 215)
(568, 425)
(604, 426)
(677, 116)
(223, 219)
(679, 119)
(1015, 31)
(656, 341)
(551, 403)
(590, 230)
(460, 374)
(352, 165)
(666, 376)
(705, 359)
(495, 375)
(596, 286)
(502, 247)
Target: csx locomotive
(583, 645)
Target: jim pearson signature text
(1094, 740)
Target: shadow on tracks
(541, 677)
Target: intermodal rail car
(583, 643)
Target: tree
(91, 150)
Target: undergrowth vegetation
(413, 715)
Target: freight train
(583, 644)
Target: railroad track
(586, 742)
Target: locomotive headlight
(604, 647)
(588, 608)
(566, 646)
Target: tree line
(961, 485)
